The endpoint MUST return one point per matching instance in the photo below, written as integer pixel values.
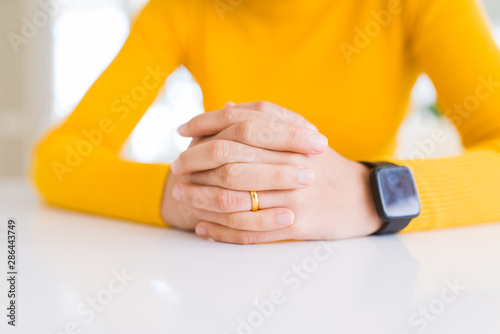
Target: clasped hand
(307, 191)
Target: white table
(184, 284)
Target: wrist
(372, 222)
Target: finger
(258, 177)
(282, 114)
(229, 235)
(262, 220)
(275, 136)
(215, 153)
(225, 200)
(212, 122)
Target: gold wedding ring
(255, 200)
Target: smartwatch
(395, 195)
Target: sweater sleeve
(77, 165)
(451, 42)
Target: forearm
(98, 183)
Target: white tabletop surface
(445, 281)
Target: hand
(338, 205)
(230, 156)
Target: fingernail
(305, 176)
(175, 167)
(200, 230)
(284, 218)
(176, 193)
(182, 129)
(318, 142)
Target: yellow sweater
(347, 66)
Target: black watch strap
(392, 227)
(377, 164)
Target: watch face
(397, 192)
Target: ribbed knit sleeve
(77, 165)
(450, 41)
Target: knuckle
(232, 221)
(262, 105)
(284, 158)
(278, 175)
(228, 175)
(260, 223)
(293, 136)
(226, 201)
(229, 115)
(214, 177)
(244, 238)
(189, 197)
(287, 158)
(245, 130)
(220, 151)
(249, 153)
(202, 198)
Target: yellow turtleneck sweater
(347, 66)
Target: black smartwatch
(395, 195)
